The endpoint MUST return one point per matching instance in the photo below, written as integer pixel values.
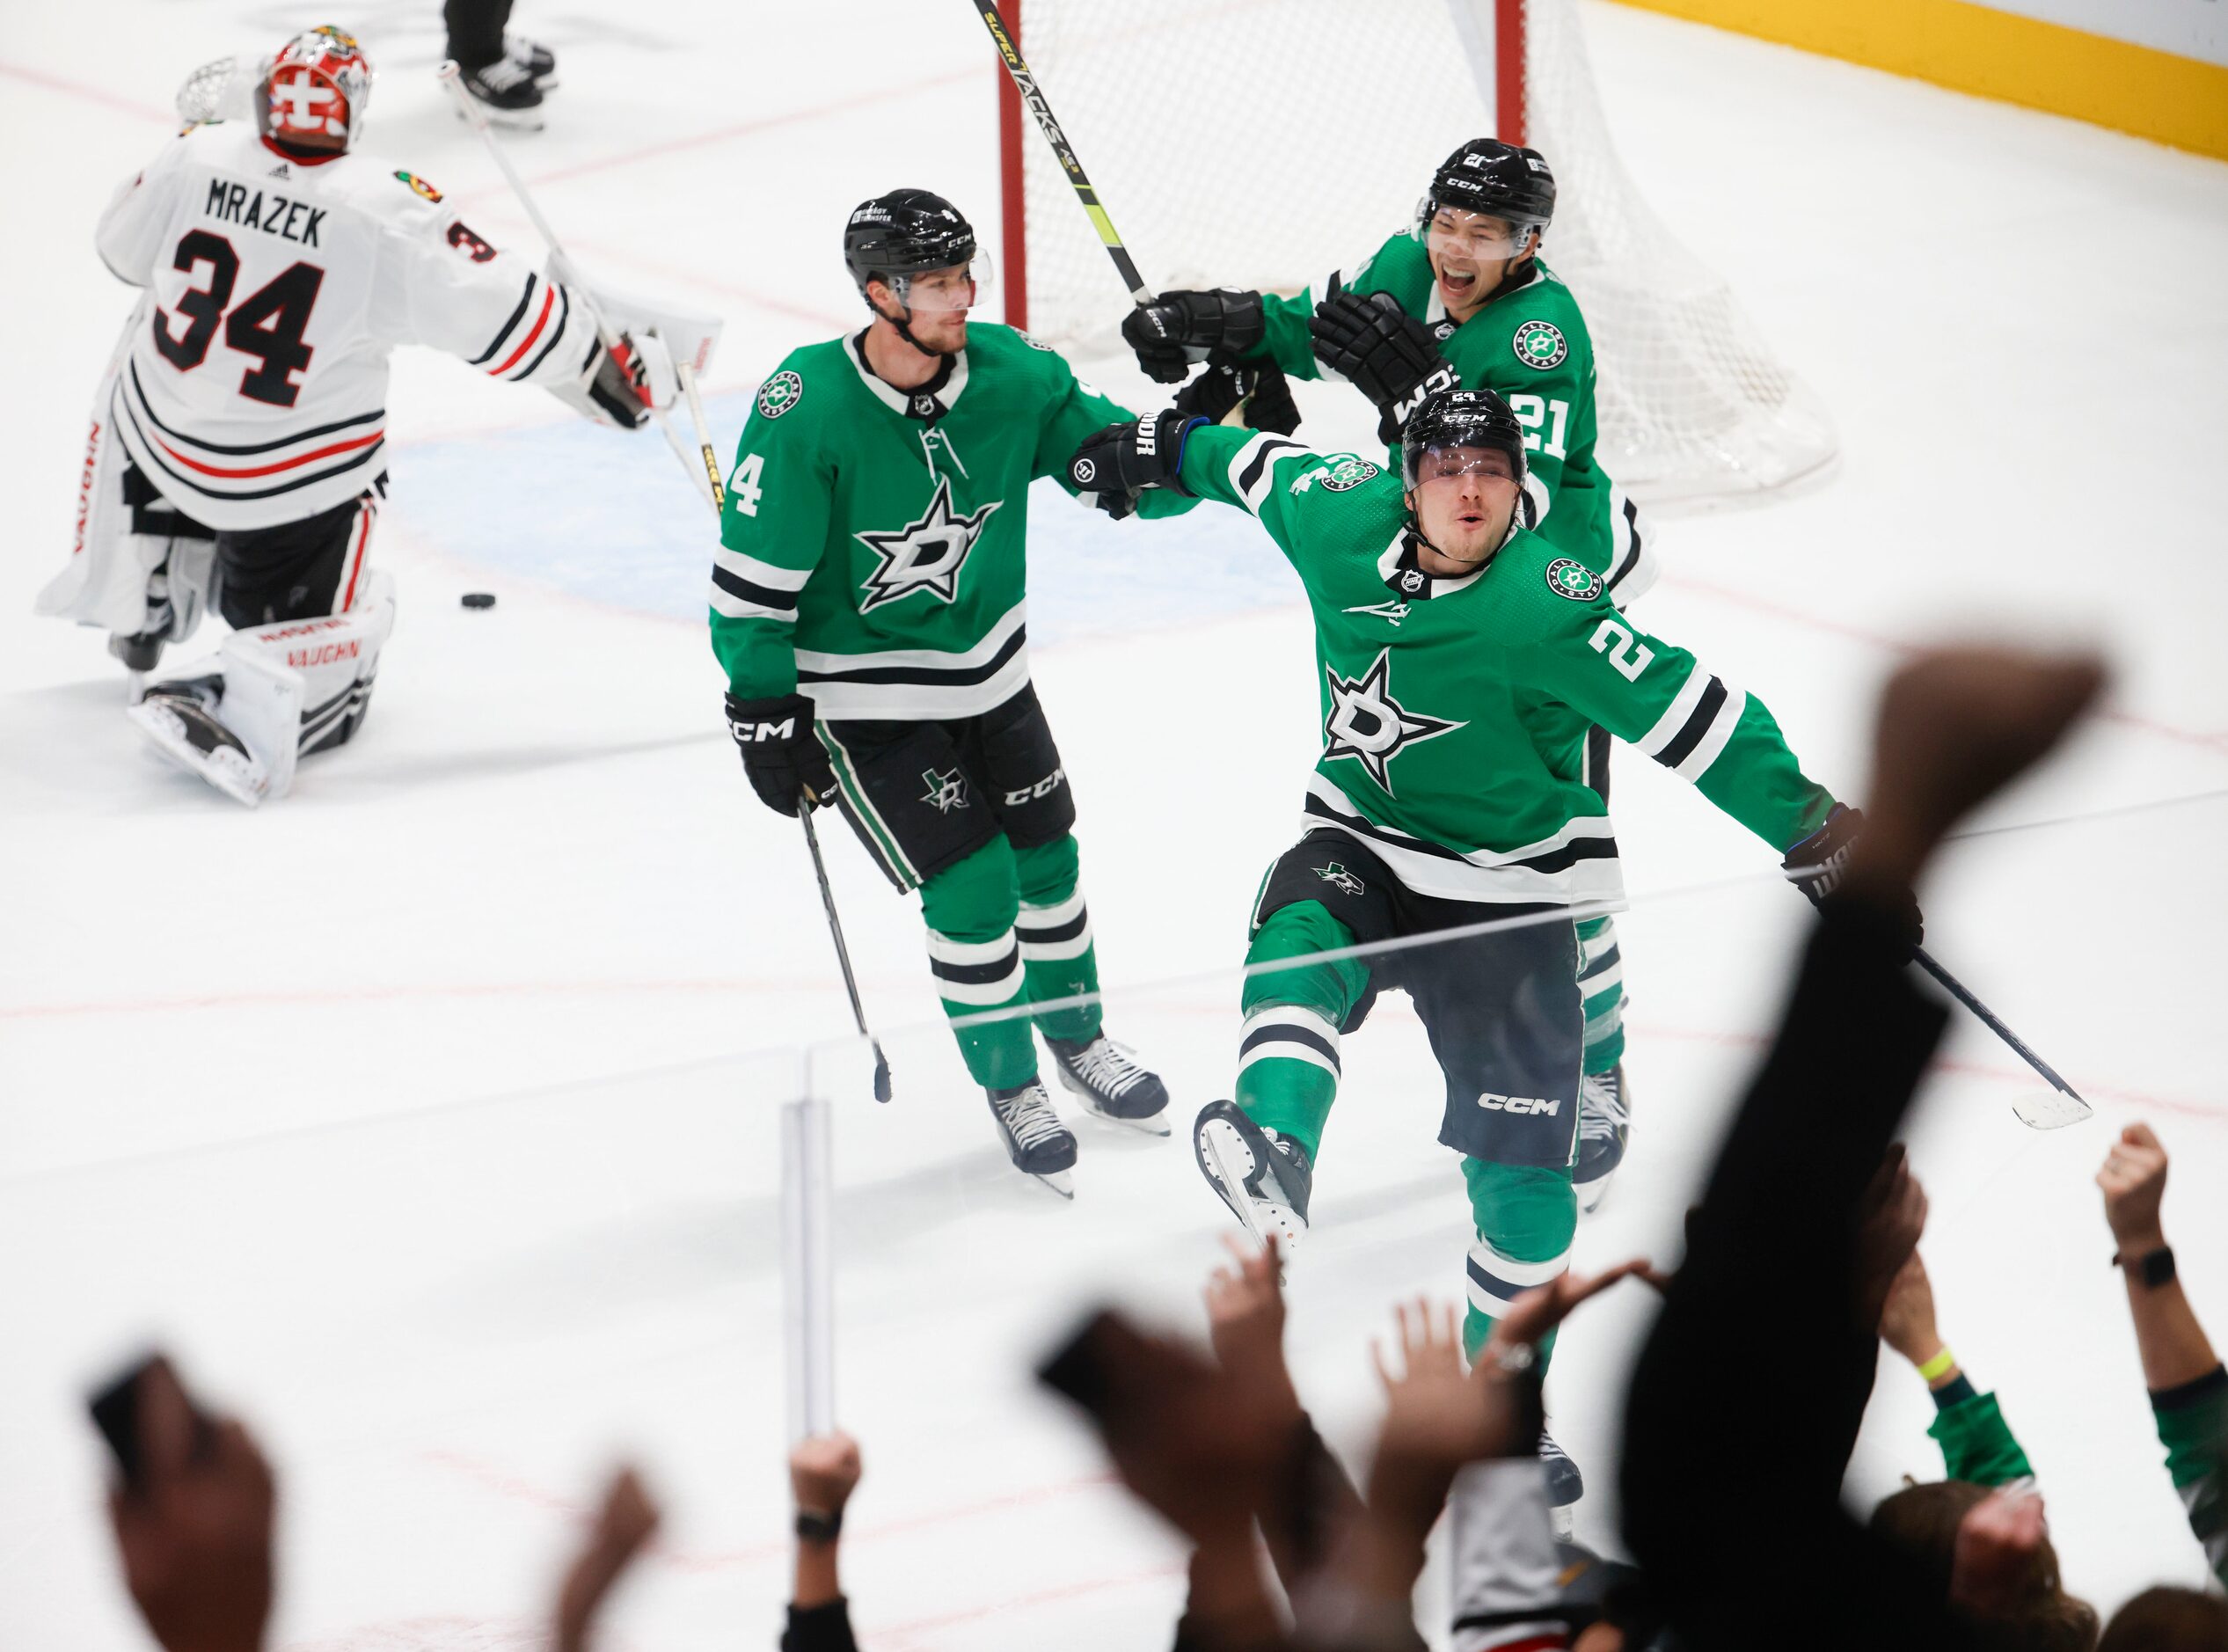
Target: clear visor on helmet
(1477, 237)
(1450, 462)
(946, 291)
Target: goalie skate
(1266, 1179)
(1036, 1140)
(1111, 1082)
(186, 732)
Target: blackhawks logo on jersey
(778, 394)
(1567, 577)
(1541, 344)
(1368, 725)
(419, 184)
(924, 555)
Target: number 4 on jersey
(744, 487)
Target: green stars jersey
(1455, 712)
(871, 554)
(1531, 345)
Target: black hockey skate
(505, 89)
(1604, 1125)
(538, 60)
(1036, 1140)
(183, 729)
(1565, 1484)
(141, 653)
(1111, 1082)
(1266, 1179)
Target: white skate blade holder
(1218, 1138)
(1061, 1181)
(242, 780)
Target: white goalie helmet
(315, 92)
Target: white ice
(412, 1112)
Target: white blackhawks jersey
(254, 388)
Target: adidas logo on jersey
(1536, 1105)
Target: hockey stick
(452, 76)
(1025, 82)
(843, 953)
(1957, 989)
(688, 377)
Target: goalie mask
(315, 92)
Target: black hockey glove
(1818, 864)
(780, 753)
(1261, 387)
(1115, 464)
(1389, 355)
(1177, 329)
(620, 387)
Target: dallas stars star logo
(1367, 724)
(925, 555)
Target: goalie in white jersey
(238, 451)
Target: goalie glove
(630, 381)
(1385, 353)
(1259, 388)
(1178, 328)
(1819, 865)
(1115, 464)
(780, 753)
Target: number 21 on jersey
(744, 487)
(1546, 424)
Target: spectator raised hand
(194, 1524)
(626, 1521)
(824, 1471)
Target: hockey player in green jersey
(1462, 661)
(867, 605)
(1462, 295)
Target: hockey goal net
(1263, 143)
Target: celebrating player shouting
(1462, 297)
(1464, 660)
(868, 604)
(238, 455)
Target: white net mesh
(1264, 142)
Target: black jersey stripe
(1262, 459)
(510, 327)
(763, 595)
(1321, 810)
(1681, 745)
(927, 676)
(1633, 545)
(355, 462)
(982, 975)
(1569, 855)
(1048, 934)
(564, 314)
(147, 409)
(1284, 1032)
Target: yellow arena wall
(2172, 100)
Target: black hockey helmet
(1487, 175)
(902, 234)
(1461, 418)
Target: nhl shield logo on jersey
(1541, 344)
(1567, 577)
(946, 791)
(1368, 725)
(923, 555)
(778, 394)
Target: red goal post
(1266, 143)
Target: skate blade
(1590, 1194)
(1224, 1149)
(234, 778)
(1061, 1181)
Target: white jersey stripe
(1712, 744)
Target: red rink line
(2217, 743)
(86, 94)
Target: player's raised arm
(130, 234)
(1078, 409)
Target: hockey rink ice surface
(419, 1114)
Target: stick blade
(2052, 1110)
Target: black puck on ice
(479, 599)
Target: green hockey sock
(1600, 987)
(1526, 1216)
(1055, 931)
(969, 908)
(1287, 1050)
